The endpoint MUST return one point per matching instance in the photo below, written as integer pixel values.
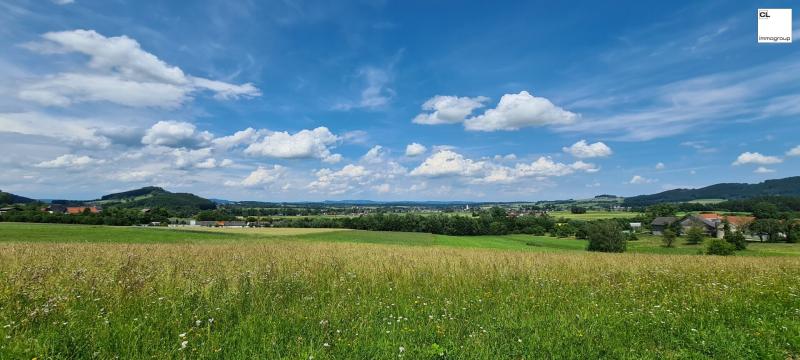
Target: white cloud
(260, 177)
(200, 158)
(69, 161)
(582, 150)
(63, 2)
(303, 144)
(72, 131)
(176, 134)
(660, 166)
(447, 162)
(515, 111)
(382, 188)
(756, 158)
(120, 72)
(350, 177)
(415, 149)
(376, 94)
(638, 179)
(763, 170)
(375, 155)
(794, 151)
(546, 167)
(448, 109)
(246, 136)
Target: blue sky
(429, 100)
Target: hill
(9, 198)
(728, 191)
(152, 197)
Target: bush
(719, 247)
(606, 236)
(668, 238)
(694, 236)
(736, 238)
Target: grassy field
(100, 292)
(594, 215)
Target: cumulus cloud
(121, 72)
(375, 155)
(638, 179)
(582, 150)
(516, 111)
(69, 161)
(450, 163)
(756, 158)
(260, 177)
(763, 170)
(376, 93)
(300, 145)
(415, 149)
(246, 136)
(338, 182)
(67, 130)
(176, 134)
(794, 151)
(447, 162)
(660, 166)
(448, 109)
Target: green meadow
(69, 291)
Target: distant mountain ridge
(789, 186)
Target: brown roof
(710, 216)
(739, 220)
(79, 209)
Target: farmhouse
(661, 223)
(706, 223)
(72, 210)
(55, 209)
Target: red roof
(79, 209)
(710, 216)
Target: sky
(408, 100)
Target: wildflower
(198, 322)
(184, 344)
(326, 345)
(210, 320)
(402, 349)
(182, 335)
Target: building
(661, 223)
(73, 210)
(735, 223)
(708, 224)
(55, 209)
(635, 226)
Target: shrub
(719, 247)
(632, 236)
(606, 236)
(694, 236)
(736, 238)
(668, 238)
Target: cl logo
(763, 14)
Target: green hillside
(155, 197)
(9, 198)
(728, 191)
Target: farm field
(594, 215)
(69, 291)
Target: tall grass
(302, 300)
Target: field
(594, 215)
(100, 292)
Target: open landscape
(373, 179)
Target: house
(661, 223)
(735, 223)
(55, 209)
(709, 225)
(635, 226)
(5, 210)
(234, 224)
(73, 210)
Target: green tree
(660, 210)
(694, 236)
(736, 238)
(606, 236)
(765, 210)
(668, 238)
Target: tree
(765, 210)
(660, 210)
(668, 238)
(769, 227)
(694, 236)
(577, 210)
(606, 236)
(719, 247)
(736, 238)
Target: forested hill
(9, 198)
(156, 197)
(729, 191)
